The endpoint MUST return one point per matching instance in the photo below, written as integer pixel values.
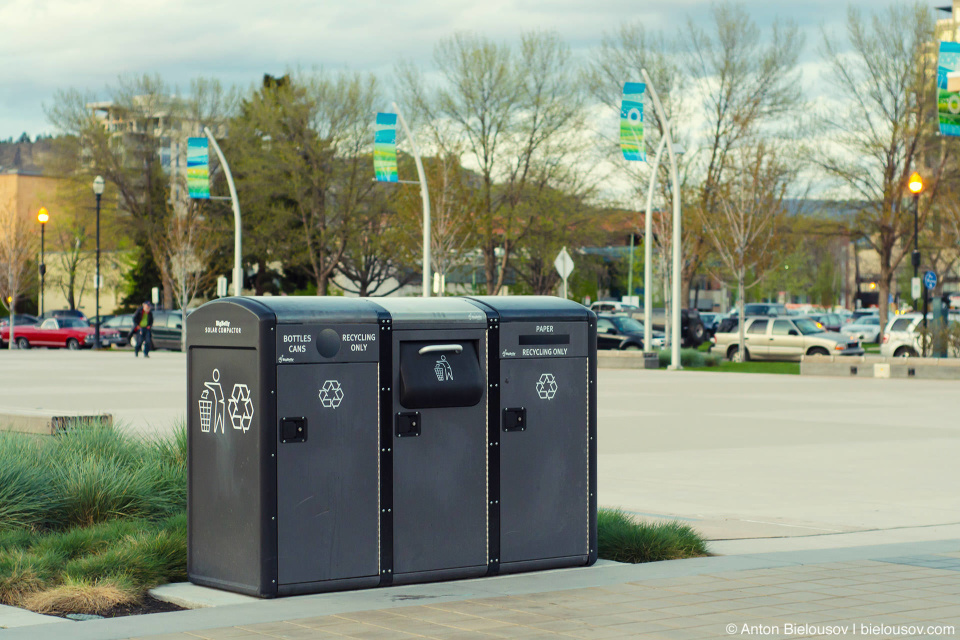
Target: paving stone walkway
(914, 596)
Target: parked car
(829, 321)
(711, 321)
(167, 330)
(63, 313)
(20, 320)
(122, 323)
(862, 313)
(72, 333)
(901, 337)
(762, 309)
(624, 333)
(778, 338)
(692, 332)
(613, 306)
(866, 329)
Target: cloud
(86, 44)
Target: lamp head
(916, 183)
(98, 185)
(43, 216)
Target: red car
(72, 333)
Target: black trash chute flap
(440, 374)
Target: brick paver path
(899, 597)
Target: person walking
(143, 324)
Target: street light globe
(916, 183)
(98, 185)
(43, 216)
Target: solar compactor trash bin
(338, 443)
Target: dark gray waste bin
(438, 524)
(284, 444)
(340, 443)
(543, 446)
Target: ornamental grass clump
(90, 518)
(623, 540)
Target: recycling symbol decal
(240, 407)
(547, 386)
(331, 395)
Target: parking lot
(735, 455)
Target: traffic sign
(929, 279)
(564, 265)
(914, 288)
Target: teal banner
(631, 122)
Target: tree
(453, 201)
(17, 250)
(72, 257)
(189, 244)
(747, 87)
(885, 128)
(135, 140)
(743, 233)
(518, 112)
(376, 261)
(307, 139)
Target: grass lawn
(792, 368)
(871, 348)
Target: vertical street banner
(948, 88)
(385, 148)
(631, 121)
(198, 168)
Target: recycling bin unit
(341, 443)
(543, 435)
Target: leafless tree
(17, 249)
(743, 231)
(189, 244)
(517, 112)
(885, 127)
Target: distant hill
(836, 210)
(26, 157)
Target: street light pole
(425, 199)
(98, 185)
(42, 217)
(648, 253)
(237, 227)
(916, 186)
(677, 228)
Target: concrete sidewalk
(902, 590)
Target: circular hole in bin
(328, 343)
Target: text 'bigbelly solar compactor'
(339, 443)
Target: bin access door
(544, 453)
(439, 457)
(328, 472)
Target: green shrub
(623, 540)
(693, 358)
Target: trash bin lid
(525, 308)
(433, 312)
(307, 309)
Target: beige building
(26, 190)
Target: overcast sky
(46, 45)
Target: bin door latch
(408, 424)
(515, 419)
(293, 430)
